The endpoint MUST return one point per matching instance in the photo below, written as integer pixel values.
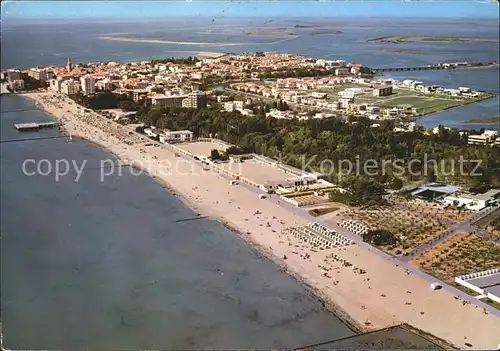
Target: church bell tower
(69, 66)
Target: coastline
(363, 296)
(327, 303)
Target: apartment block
(382, 90)
(40, 74)
(13, 74)
(196, 99)
(69, 87)
(87, 85)
(168, 100)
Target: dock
(34, 126)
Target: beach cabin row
(354, 227)
(480, 274)
(309, 237)
(336, 238)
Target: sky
(12, 10)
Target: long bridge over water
(437, 67)
(395, 69)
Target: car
(436, 286)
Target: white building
(17, 84)
(345, 102)
(231, 106)
(168, 100)
(373, 109)
(55, 85)
(40, 74)
(349, 94)
(176, 137)
(485, 283)
(87, 85)
(487, 138)
(435, 130)
(69, 87)
(342, 71)
(473, 202)
(104, 84)
(318, 95)
(13, 74)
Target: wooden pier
(34, 126)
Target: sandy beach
(385, 295)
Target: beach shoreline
(359, 300)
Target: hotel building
(69, 87)
(87, 85)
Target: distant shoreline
(399, 40)
(484, 120)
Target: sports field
(423, 104)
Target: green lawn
(491, 303)
(422, 103)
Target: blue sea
(50, 42)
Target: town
(296, 87)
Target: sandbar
(397, 40)
(161, 41)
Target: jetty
(34, 126)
